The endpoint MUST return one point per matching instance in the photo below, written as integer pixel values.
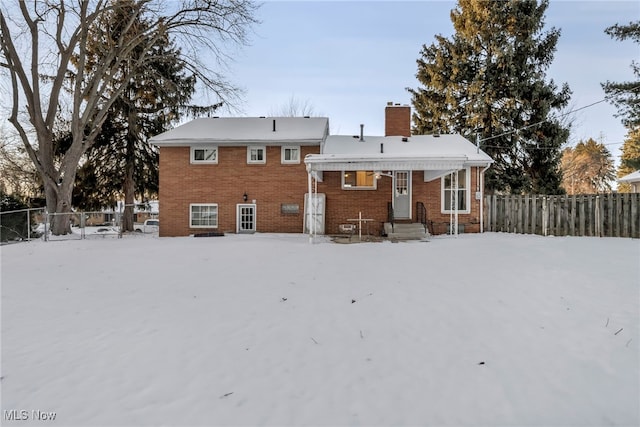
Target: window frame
(257, 147)
(193, 160)
(373, 175)
(466, 189)
(191, 206)
(283, 150)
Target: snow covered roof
(246, 130)
(418, 152)
(632, 177)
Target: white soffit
(319, 163)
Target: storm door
(402, 194)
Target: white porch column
(309, 212)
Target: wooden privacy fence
(604, 215)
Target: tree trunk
(129, 184)
(59, 207)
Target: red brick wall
(397, 120)
(270, 185)
(273, 184)
(342, 205)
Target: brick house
(254, 174)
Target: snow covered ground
(268, 329)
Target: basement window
(203, 215)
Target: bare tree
(295, 107)
(50, 38)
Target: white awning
(319, 162)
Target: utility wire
(606, 98)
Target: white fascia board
(430, 175)
(232, 143)
(321, 163)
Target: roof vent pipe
(274, 125)
(381, 148)
(361, 132)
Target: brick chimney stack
(397, 120)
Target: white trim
(321, 162)
(192, 150)
(373, 177)
(283, 149)
(257, 147)
(467, 195)
(191, 205)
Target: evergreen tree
(488, 82)
(587, 168)
(630, 159)
(121, 162)
(626, 95)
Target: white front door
(246, 218)
(402, 194)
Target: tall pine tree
(122, 164)
(488, 82)
(626, 97)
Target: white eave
(330, 162)
(632, 177)
(440, 154)
(186, 142)
(242, 131)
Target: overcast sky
(347, 59)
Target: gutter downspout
(482, 198)
(456, 208)
(309, 205)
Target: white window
(290, 154)
(359, 180)
(203, 215)
(448, 190)
(256, 155)
(204, 154)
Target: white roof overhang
(233, 143)
(320, 162)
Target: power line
(606, 98)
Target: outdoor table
(360, 220)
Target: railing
(421, 216)
(390, 218)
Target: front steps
(412, 231)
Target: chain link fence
(28, 224)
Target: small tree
(295, 107)
(630, 159)
(587, 168)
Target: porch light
(380, 174)
(245, 197)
